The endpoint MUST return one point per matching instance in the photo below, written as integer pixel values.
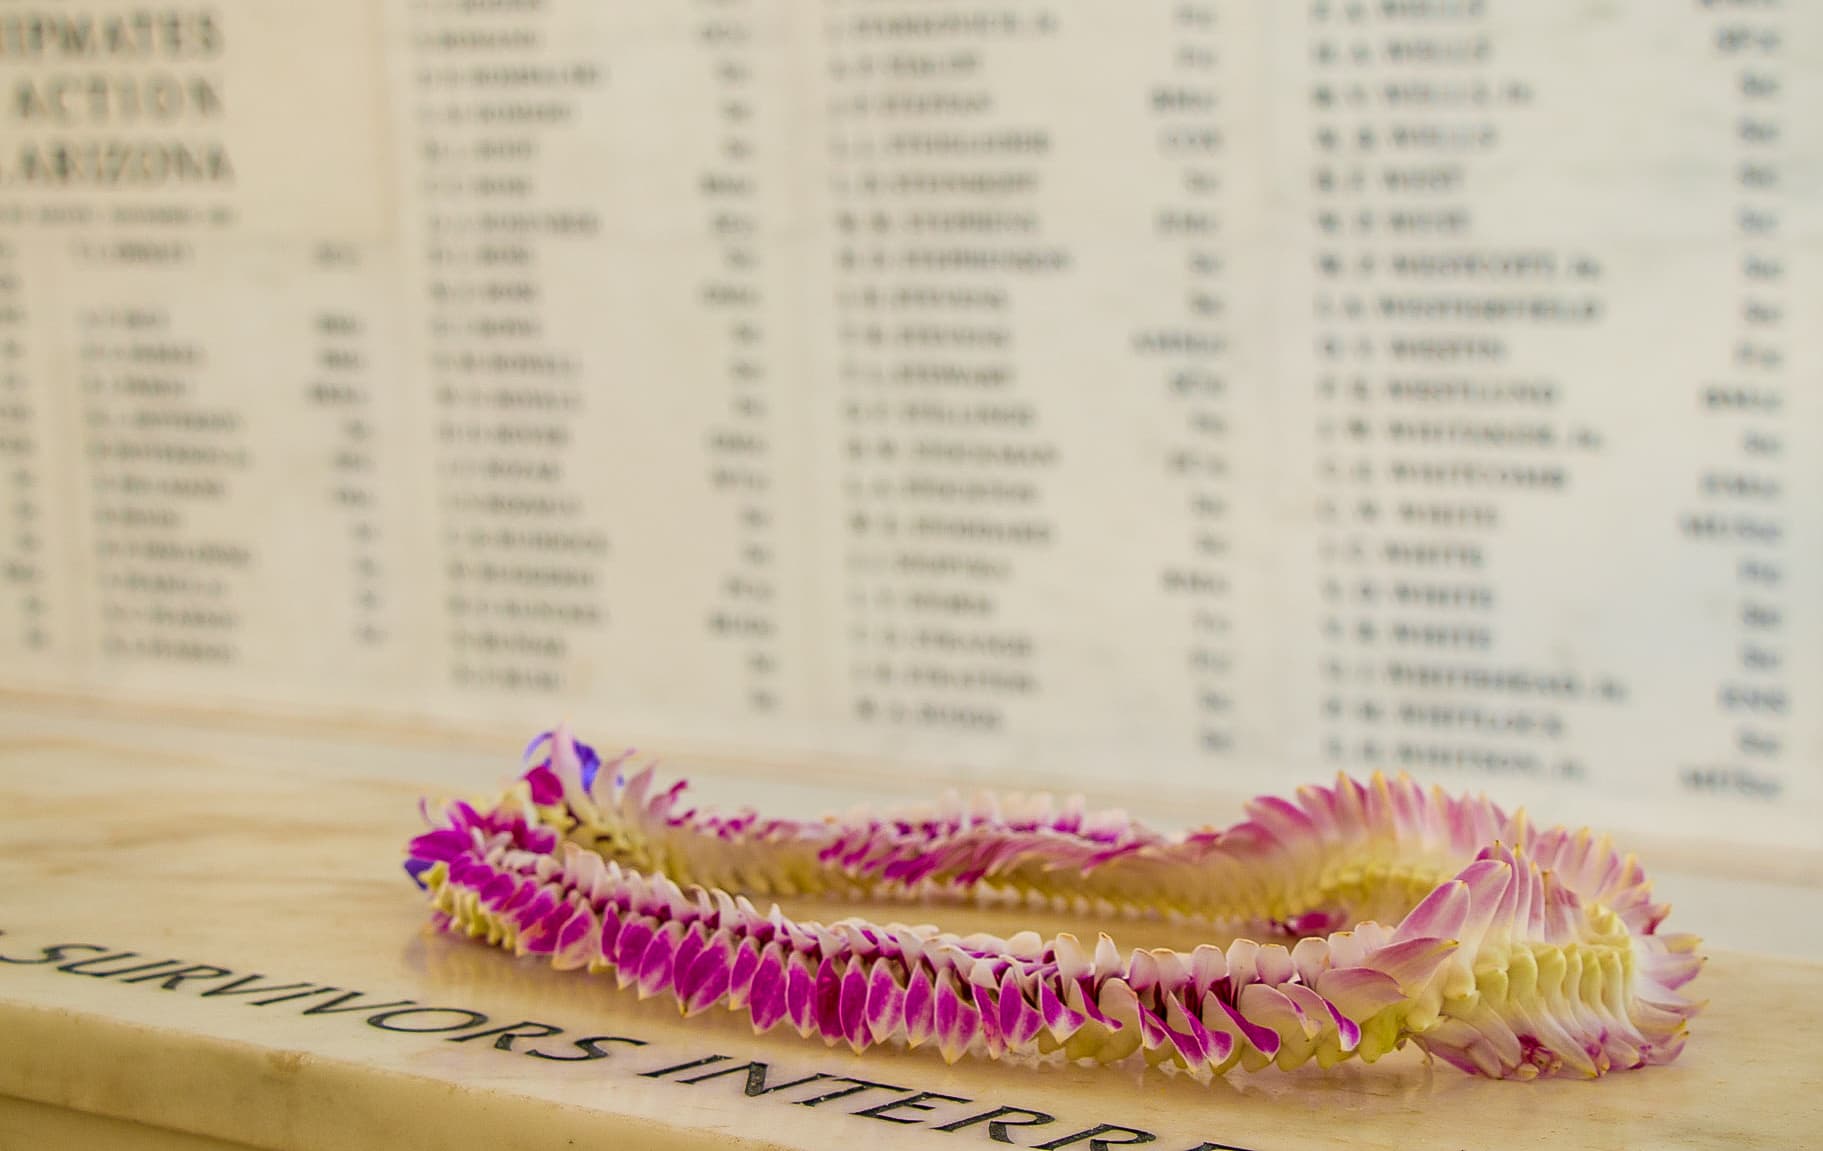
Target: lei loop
(1514, 952)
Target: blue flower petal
(591, 764)
(531, 748)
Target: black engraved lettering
(383, 1019)
(997, 1122)
(915, 1102)
(239, 987)
(53, 953)
(504, 1036)
(1094, 1137)
(590, 1046)
(334, 1006)
(663, 1071)
(860, 1085)
(181, 975)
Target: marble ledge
(201, 953)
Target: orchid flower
(1513, 951)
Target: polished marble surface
(236, 854)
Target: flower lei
(1516, 952)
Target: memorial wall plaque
(1213, 393)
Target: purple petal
(1440, 916)
(543, 936)
(956, 1023)
(576, 941)
(827, 1005)
(547, 789)
(766, 997)
(1152, 1030)
(498, 891)
(1264, 1039)
(1359, 992)
(439, 845)
(1186, 1033)
(885, 1001)
(1412, 961)
(1062, 1021)
(920, 1008)
(740, 977)
(1346, 1028)
(987, 1005)
(688, 949)
(610, 932)
(635, 936)
(683, 965)
(708, 978)
(656, 965)
(851, 1010)
(532, 911)
(800, 995)
(1019, 1020)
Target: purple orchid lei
(1515, 952)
